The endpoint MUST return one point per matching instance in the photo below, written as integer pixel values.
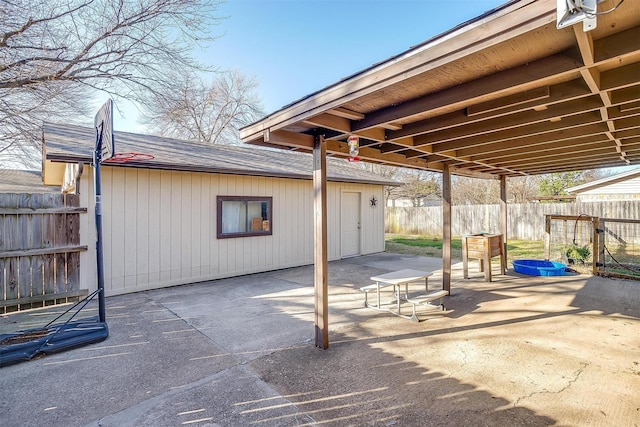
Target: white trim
(604, 181)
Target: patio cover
(505, 94)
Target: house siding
(623, 190)
(159, 227)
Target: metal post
(97, 158)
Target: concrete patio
(517, 351)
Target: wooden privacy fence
(524, 221)
(39, 250)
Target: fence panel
(620, 248)
(39, 250)
(524, 221)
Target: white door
(350, 224)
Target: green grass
(432, 246)
(426, 242)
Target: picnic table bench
(398, 280)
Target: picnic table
(397, 280)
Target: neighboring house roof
(23, 181)
(74, 144)
(604, 182)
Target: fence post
(547, 237)
(595, 221)
(599, 230)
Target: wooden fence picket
(525, 221)
(39, 250)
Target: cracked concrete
(516, 351)
(570, 382)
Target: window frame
(246, 199)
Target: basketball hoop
(129, 157)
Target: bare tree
(210, 113)
(555, 184)
(474, 191)
(392, 173)
(54, 55)
(418, 186)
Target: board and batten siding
(159, 227)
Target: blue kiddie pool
(535, 267)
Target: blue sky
(296, 47)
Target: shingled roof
(609, 180)
(23, 181)
(74, 144)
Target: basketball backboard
(103, 123)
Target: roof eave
(460, 42)
(604, 181)
(67, 158)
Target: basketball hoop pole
(97, 158)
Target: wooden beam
(631, 107)
(321, 267)
(290, 139)
(625, 95)
(391, 126)
(591, 77)
(623, 111)
(515, 121)
(466, 140)
(42, 211)
(572, 90)
(568, 167)
(460, 170)
(42, 298)
(503, 220)
(509, 101)
(585, 44)
(514, 150)
(606, 153)
(617, 46)
(329, 121)
(582, 155)
(446, 228)
(374, 155)
(621, 77)
(556, 152)
(43, 251)
(504, 83)
(345, 113)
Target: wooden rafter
(507, 94)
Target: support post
(446, 229)
(320, 238)
(547, 237)
(503, 221)
(597, 258)
(97, 158)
